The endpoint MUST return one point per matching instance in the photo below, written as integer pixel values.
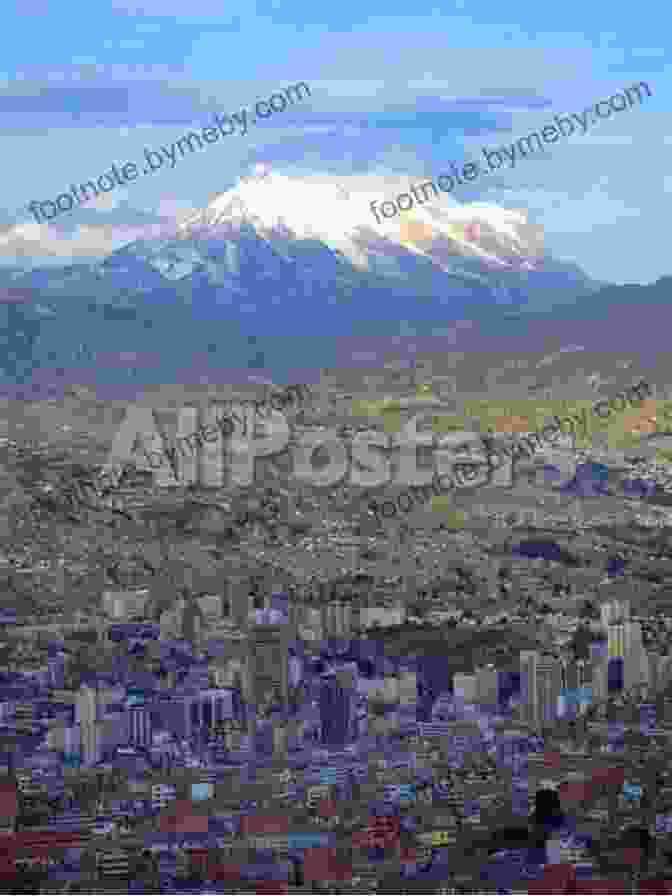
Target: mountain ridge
(265, 262)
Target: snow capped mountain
(279, 267)
(337, 212)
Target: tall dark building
(433, 676)
(615, 675)
(267, 669)
(334, 703)
(191, 619)
(237, 595)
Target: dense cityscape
(188, 705)
(335, 449)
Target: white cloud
(42, 241)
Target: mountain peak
(337, 212)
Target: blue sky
(395, 89)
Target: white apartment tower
(541, 685)
(613, 611)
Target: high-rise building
(660, 672)
(529, 660)
(268, 661)
(465, 686)
(335, 712)
(577, 691)
(86, 705)
(635, 660)
(570, 672)
(487, 685)
(616, 640)
(267, 669)
(541, 686)
(87, 716)
(190, 618)
(281, 737)
(601, 678)
(140, 726)
(237, 599)
(633, 635)
(24, 718)
(408, 687)
(92, 743)
(615, 677)
(624, 638)
(613, 611)
(336, 621)
(549, 672)
(56, 671)
(584, 673)
(360, 722)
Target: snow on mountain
(278, 268)
(337, 212)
